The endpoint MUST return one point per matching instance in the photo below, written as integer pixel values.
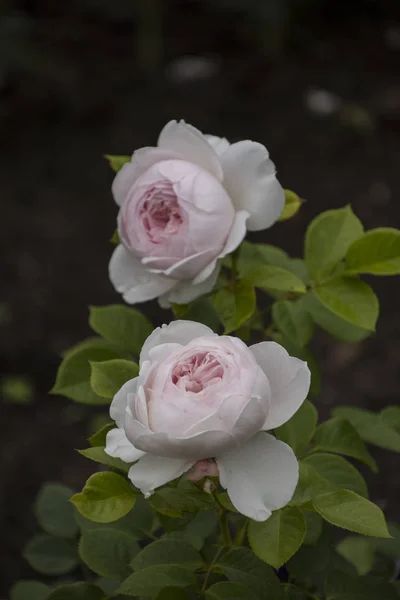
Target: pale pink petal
(219, 144)
(189, 142)
(186, 291)
(142, 159)
(288, 377)
(260, 476)
(120, 400)
(131, 279)
(250, 179)
(151, 472)
(179, 332)
(236, 234)
(118, 446)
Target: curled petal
(260, 476)
(118, 446)
(187, 141)
(151, 472)
(288, 377)
(133, 280)
(236, 234)
(186, 291)
(120, 401)
(176, 332)
(142, 159)
(219, 144)
(249, 177)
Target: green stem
(210, 568)
(224, 524)
(240, 535)
(234, 272)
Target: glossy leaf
(292, 205)
(107, 377)
(123, 326)
(98, 455)
(372, 427)
(377, 252)
(279, 537)
(235, 307)
(339, 435)
(117, 161)
(321, 473)
(166, 552)
(350, 299)
(299, 430)
(293, 320)
(328, 238)
(347, 509)
(274, 278)
(73, 376)
(105, 498)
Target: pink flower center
(160, 212)
(197, 372)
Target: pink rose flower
(183, 206)
(202, 396)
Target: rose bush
(201, 396)
(184, 205)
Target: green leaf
(310, 560)
(328, 238)
(172, 593)
(225, 501)
(117, 162)
(108, 377)
(314, 524)
(196, 532)
(29, 590)
(334, 325)
(77, 591)
(293, 320)
(292, 205)
(296, 593)
(73, 376)
(108, 552)
(97, 454)
(279, 537)
(347, 509)
(123, 326)
(150, 581)
(269, 277)
(200, 310)
(54, 512)
(358, 551)
(321, 473)
(167, 552)
(377, 252)
(299, 430)
(242, 566)
(350, 299)
(139, 523)
(391, 416)
(115, 239)
(338, 435)
(99, 438)
(105, 498)
(251, 255)
(341, 586)
(50, 555)
(371, 427)
(389, 548)
(229, 590)
(234, 308)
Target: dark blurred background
(317, 81)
